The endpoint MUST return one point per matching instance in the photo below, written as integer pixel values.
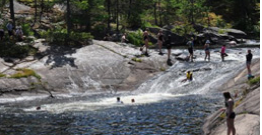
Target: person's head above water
(133, 100)
(226, 95)
(188, 72)
(118, 99)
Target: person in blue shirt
(10, 27)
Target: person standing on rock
(230, 114)
(168, 46)
(248, 63)
(207, 50)
(146, 39)
(160, 40)
(191, 49)
(10, 27)
(223, 52)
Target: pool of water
(180, 115)
(163, 105)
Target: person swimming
(118, 100)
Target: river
(163, 105)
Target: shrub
(27, 29)
(136, 60)
(60, 37)
(2, 75)
(135, 38)
(9, 49)
(254, 81)
(23, 73)
(183, 30)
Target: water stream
(163, 105)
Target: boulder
(18, 7)
(250, 104)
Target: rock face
(100, 66)
(247, 102)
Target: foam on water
(104, 103)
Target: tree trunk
(35, 11)
(42, 8)
(117, 12)
(68, 14)
(12, 12)
(129, 10)
(109, 14)
(155, 15)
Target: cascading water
(163, 105)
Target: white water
(166, 85)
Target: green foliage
(23, 73)
(254, 81)
(9, 49)
(136, 60)
(2, 75)
(27, 29)
(60, 37)
(135, 38)
(183, 30)
(221, 31)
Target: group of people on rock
(18, 33)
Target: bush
(9, 49)
(23, 73)
(135, 38)
(60, 37)
(254, 81)
(2, 75)
(183, 30)
(27, 29)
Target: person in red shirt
(223, 52)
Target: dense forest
(99, 17)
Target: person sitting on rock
(189, 76)
(19, 34)
(123, 38)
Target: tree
(12, 12)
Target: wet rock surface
(99, 66)
(247, 106)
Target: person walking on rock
(248, 63)
(160, 40)
(191, 49)
(223, 52)
(230, 114)
(146, 39)
(207, 50)
(168, 46)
